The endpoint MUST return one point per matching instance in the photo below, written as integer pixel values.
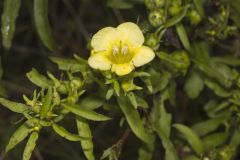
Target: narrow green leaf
(214, 140)
(116, 87)
(19, 135)
(13, 106)
(133, 100)
(199, 6)
(235, 139)
(30, 146)
(121, 4)
(200, 52)
(65, 134)
(9, 16)
(171, 22)
(161, 121)
(192, 157)
(109, 93)
(91, 102)
(46, 103)
(133, 118)
(141, 102)
(205, 127)
(217, 88)
(191, 137)
(146, 150)
(228, 60)
(42, 25)
(194, 84)
(85, 131)
(182, 34)
(86, 113)
(38, 79)
(72, 65)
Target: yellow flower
(119, 49)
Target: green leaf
(159, 80)
(228, 60)
(183, 36)
(200, 52)
(38, 79)
(199, 7)
(46, 103)
(42, 25)
(141, 102)
(192, 157)
(86, 113)
(19, 135)
(235, 139)
(214, 140)
(116, 87)
(194, 84)
(65, 134)
(85, 131)
(121, 4)
(205, 127)
(9, 16)
(133, 100)
(217, 89)
(161, 121)
(191, 137)
(146, 150)
(176, 19)
(217, 71)
(13, 106)
(72, 65)
(133, 118)
(91, 102)
(30, 146)
(217, 109)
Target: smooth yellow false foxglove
(119, 49)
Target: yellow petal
(122, 69)
(132, 33)
(142, 55)
(99, 61)
(103, 38)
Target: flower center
(120, 53)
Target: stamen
(115, 50)
(124, 50)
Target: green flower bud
(76, 82)
(174, 9)
(194, 17)
(156, 18)
(128, 86)
(152, 40)
(182, 60)
(149, 4)
(159, 3)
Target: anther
(115, 50)
(124, 50)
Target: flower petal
(99, 61)
(122, 69)
(103, 38)
(142, 55)
(131, 32)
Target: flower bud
(149, 4)
(182, 60)
(156, 18)
(159, 3)
(194, 17)
(174, 9)
(152, 40)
